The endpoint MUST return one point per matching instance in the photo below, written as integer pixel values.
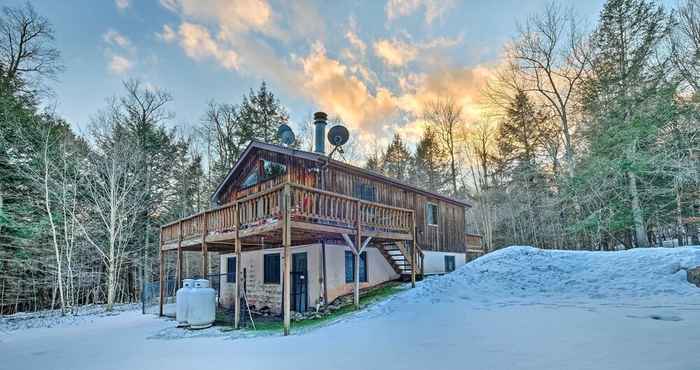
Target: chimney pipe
(320, 121)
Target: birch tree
(111, 186)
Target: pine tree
(397, 161)
(260, 114)
(628, 99)
(431, 163)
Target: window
(231, 270)
(251, 180)
(431, 214)
(350, 267)
(271, 267)
(366, 192)
(263, 172)
(449, 263)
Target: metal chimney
(320, 121)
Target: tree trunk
(637, 215)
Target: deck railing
(306, 205)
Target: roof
(324, 158)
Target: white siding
(260, 295)
(434, 262)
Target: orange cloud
(464, 85)
(332, 86)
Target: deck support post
(358, 242)
(205, 251)
(237, 301)
(414, 264)
(178, 271)
(286, 242)
(161, 277)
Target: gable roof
(258, 145)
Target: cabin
(295, 230)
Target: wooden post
(237, 302)
(205, 251)
(162, 274)
(358, 242)
(178, 271)
(414, 265)
(286, 242)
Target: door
(300, 282)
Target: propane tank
(182, 298)
(202, 308)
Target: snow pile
(53, 318)
(526, 272)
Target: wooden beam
(237, 302)
(358, 242)
(350, 243)
(178, 271)
(205, 251)
(162, 275)
(414, 265)
(286, 242)
(365, 244)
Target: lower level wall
(262, 295)
(434, 262)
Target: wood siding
(446, 236)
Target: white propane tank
(202, 308)
(182, 298)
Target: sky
(371, 63)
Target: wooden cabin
(297, 229)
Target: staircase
(398, 254)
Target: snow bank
(527, 272)
(53, 318)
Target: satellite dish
(285, 134)
(338, 135)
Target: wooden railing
(306, 205)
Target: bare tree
(110, 189)
(686, 43)
(550, 56)
(145, 108)
(445, 115)
(26, 54)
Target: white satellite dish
(285, 135)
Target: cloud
(395, 52)
(168, 34)
(355, 41)
(199, 45)
(433, 8)
(115, 38)
(463, 84)
(119, 65)
(332, 86)
(122, 4)
(231, 16)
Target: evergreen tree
(628, 98)
(431, 163)
(397, 161)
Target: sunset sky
(372, 63)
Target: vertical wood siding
(447, 236)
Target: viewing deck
(258, 220)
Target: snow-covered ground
(518, 308)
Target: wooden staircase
(398, 254)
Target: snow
(517, 308)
